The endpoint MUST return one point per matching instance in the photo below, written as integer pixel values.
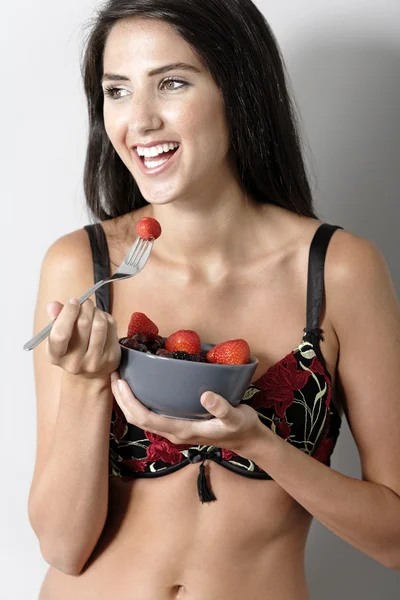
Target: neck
(213, 230)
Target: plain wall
(343, 58)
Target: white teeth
(152, 164)
(156, 150)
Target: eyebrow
(174, 66)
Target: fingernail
(113, 376)
(74, 301)
(210, 400)
(120, 385)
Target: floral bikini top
(293, 397)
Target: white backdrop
(343, 57)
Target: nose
(144, 116)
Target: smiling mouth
(156, 161)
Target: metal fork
(132, 264)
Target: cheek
(115, 127)
(206, 126)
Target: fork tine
(141, 252)
(135, 257)
(133, 252)
(143, 259)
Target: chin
(162, 195)
(158, 199)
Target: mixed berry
(184, 344)
(156, 346)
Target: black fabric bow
(196, 456)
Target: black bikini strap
(101, 263)
(315, 284)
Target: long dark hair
(234, 41)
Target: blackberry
(140, 338)
(182, 355)
(154, 346)
(129, 343)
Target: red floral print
(317, 367)
(138, 466)
(282, 428)
(119, 424)
(325, 449)
(279, 384)
(227, 454)
(162, 449)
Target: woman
(242, 255)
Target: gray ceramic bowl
(173, 387)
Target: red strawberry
(148, 228)
(139, 323)
(233, 352)
(183, 340)
(210, 355)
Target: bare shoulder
(69, 264)
(357, 277)
(351, 253)
(70, 244)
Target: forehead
(141, 41)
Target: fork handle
(42, 335)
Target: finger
(61, 333)
(81, 331)
(112, 334)
(137, 414)
(220, 408)
(126, 401)
(97, 339)
(114, 376)
(54, 308)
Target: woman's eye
(169, 84)
(115, 93)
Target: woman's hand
(83, 340)
(234, 428)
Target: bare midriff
(161, 543)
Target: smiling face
(163, 112)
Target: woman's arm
(365, 313)
(69, 494)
